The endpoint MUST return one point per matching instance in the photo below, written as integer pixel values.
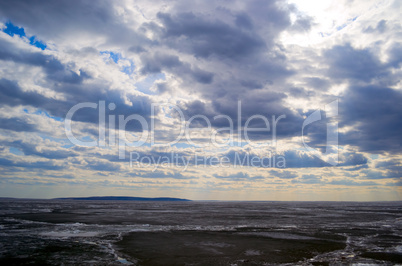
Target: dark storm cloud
(66, 176)
(57, 19)
(54, 69)
(395, 55)
(318, 83)
(159, 175)
(302, 23)
(251, 84)
(13, 95)
(244, 42)
(392, 164)
(289, 159)
(156, 63)
(244, 21)
(31, 149)
(381, 27)
(47, 165)
(152, 156)
(283, 174)
(372, 111)
(375, 115)
(375, 174)
(103, 166)
(364, 166)
(96, 92)
(308, 179)
(239, 177)
(62, 79)
(236, 157)
(346, 62)
(29, 12)
(351, 159)
(17, 124)
(203, 38)
(253, 60)
(262, 102)
(392, 167)
(172, 64)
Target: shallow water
(183, 233)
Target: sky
(222, 100)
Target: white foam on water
(22, 221)
(112, 251)
(42, 210)
(215, 244)
(69, 233)
(398, 249)
(72, 224)
(123, 261)
(289, 226)
(278, 235)
(335, 257)
(252, 252)
(364, 264)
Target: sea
(93, 232)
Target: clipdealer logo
(331, 148)
(148, 131)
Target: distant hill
(123, 198)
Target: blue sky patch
(15, 151)
(35, 42)
(145, 85)
(12, 30)
(114, 56)
(129, 69)
(41, 112)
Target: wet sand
(199, 233)
(220, 248)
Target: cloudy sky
(223, 100)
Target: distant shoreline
(123, 198)
(126, 198)
(104, 198)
